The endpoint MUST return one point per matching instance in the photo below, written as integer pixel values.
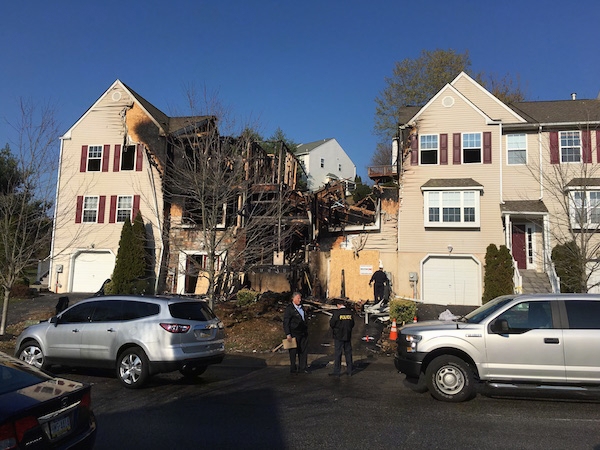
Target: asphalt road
(245, 404)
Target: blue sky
(312, 68)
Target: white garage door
(91, 269)
(451, 281)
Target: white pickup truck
(548, 340)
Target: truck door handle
(550, 340)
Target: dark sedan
(38, 411)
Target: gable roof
(304, 149)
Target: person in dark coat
(295, 326)
(342, 322)
(381, 281)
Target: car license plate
(60, 426)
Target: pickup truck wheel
(450, 379)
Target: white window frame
(89, 213)
(566, 141)
(584, 203)
(428, 147)
(121, 208)
(464, 147)
(451, 198)
(94, 150)
(514, 146)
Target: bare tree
(237, 202)
(382, 155)
(26, 194)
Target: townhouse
(474, 171)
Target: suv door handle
(550, 340)
(111, 330)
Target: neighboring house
(121, 157)
(325, 161)
(476, 171)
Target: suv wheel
(32, 354)
(132, 368)
(450, 379)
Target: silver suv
(138, 336)
(544, 340)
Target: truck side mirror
(499, 326)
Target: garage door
(451, 281)
(91, 269)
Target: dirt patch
(254, 327)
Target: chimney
(574, 96)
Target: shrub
(498, 279)
(567, 261)
(246, 296)
(403, 310)
(21, 290)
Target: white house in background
(324, 161)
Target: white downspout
(540, 162)
(501, 168)
(51, 266)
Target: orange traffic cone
(394, 332)
(415, 319)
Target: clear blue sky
(312, 68)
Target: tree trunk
(4, 312)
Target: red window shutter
(456, 148)
(105, 157)
(79, 209)
(139, 158)
(598, 145)
(487, 147)
(586, 146)
(136, 206)
(112, 214)
(554, 151)
(83, 161)
(443, 149)
(117, 160)
(414, 149)
(101, 207)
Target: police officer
(342, 322)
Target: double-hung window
(124, 208)
(90, 209)
(452, 208)
(516, 147)
(94, 160)
(570, 146)
(471, 148)
(128, 157)
(585, 210)
(429, 147)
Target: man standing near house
(380, 280)
(342, 322)
(295, 326)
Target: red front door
(519, 246)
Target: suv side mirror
(499, 326)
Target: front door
(519, 245)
